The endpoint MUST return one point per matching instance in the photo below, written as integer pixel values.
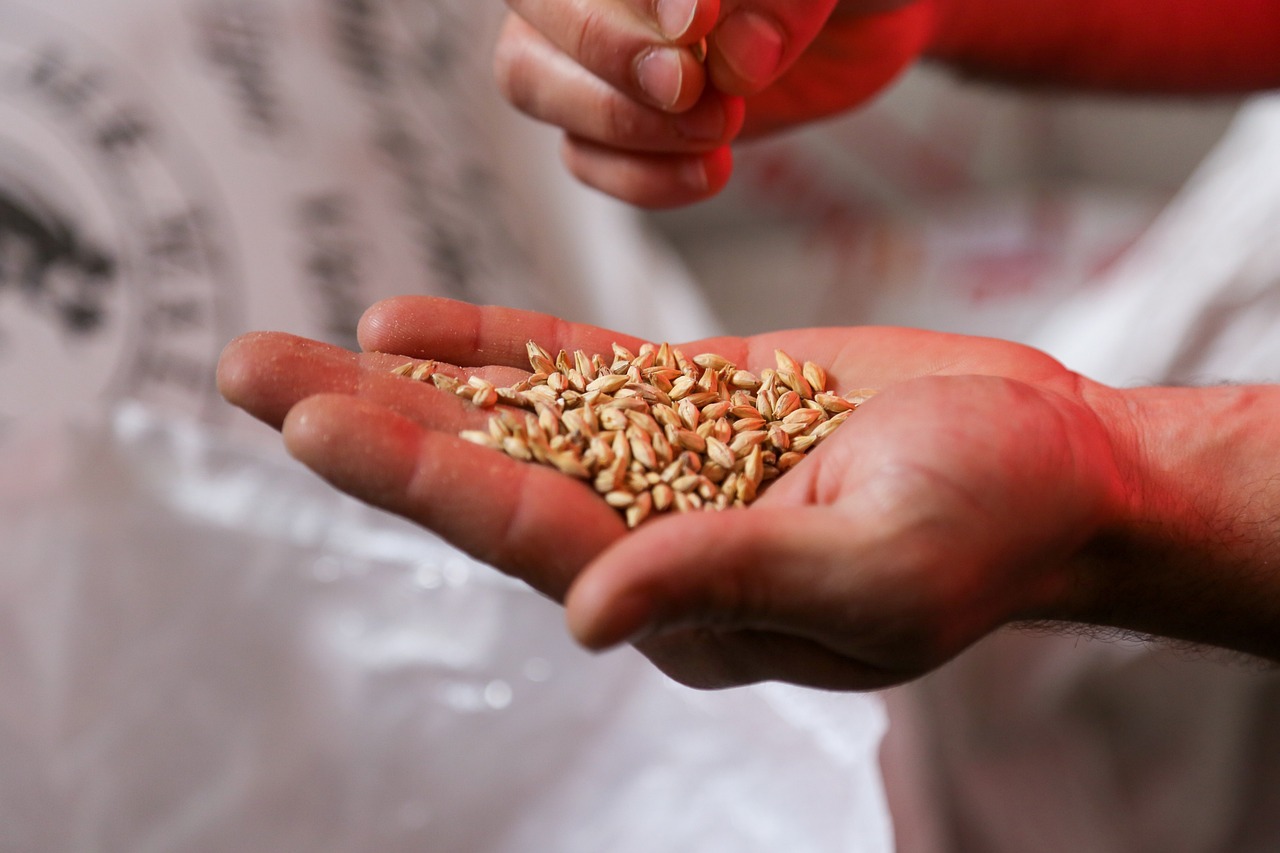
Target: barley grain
(656, 431)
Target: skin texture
(769, 65)
(984, 485)
(647, 122)
(879, 557)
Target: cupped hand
(958, 499)
(647, 119)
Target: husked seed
(569, 463)
(788, 402)
(667, 416)
(682, 387)
(833, 403)
(690, 440)
(480, 437)
(786, 364)
(801, 443)
(730, 485)
(796, 382)
(720, 453)
(789, 460)
(687, 483)
(444, 383)
(825, 428)
(619, 499)
(539, 359)
(639, 510)
(517, 448)
(608, 480)
(717, 410)
(743, 442)
(664, 357)
(608, 383)
(753, 470)
(613, 418)
(711, 361)
(642, 449)
(690, 414)
(655, 431)
(661, 448)
(815, 376)
(804, 417)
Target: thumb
(756, 40)
(739, 569)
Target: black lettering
(175, 314)
(238, 42)
(359, 45)
(175, 242)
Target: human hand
(958, 499)
(647, 122)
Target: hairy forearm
(1195, 552)
(1139, 46)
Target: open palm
(956, 500)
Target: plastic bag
(206, 648)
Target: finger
(547, 85)
(650, 180)
(757, 40)
(529, 521)
(472, 335)
(267, 373)
(618, 41)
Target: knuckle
(590, 32)
(511, 71)
(619, 122)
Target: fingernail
(675, 16)
(693, 174)
(751, 46)
(660, 73)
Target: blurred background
(202, 647)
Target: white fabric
(205, 648)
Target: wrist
(1192, 548)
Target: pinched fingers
(628, 44)
(755, 41)
(546, 84)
